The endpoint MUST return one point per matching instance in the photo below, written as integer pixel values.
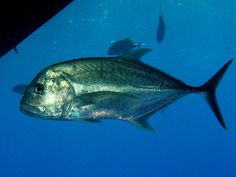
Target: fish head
(48, 96)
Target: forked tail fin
(208, 90)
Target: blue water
(188, 142)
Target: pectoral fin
(103, 97)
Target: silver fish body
(91, 89)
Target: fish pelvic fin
(92, 120)
(208, 91)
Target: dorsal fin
(136, 55)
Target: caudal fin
(208, 90)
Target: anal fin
(142, 122)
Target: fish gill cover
(188, 141)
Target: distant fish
(123, 46)
(161, 29)
(20, 88)
(15, 50)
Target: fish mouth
(30, 110)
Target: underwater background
(188, 141)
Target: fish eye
(39, 88)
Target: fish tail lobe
(208, 91)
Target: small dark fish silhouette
(15, 50)
(161, 29)
(20, 88)
(123, 46)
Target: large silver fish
(123, 87)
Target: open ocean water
(188, 141)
